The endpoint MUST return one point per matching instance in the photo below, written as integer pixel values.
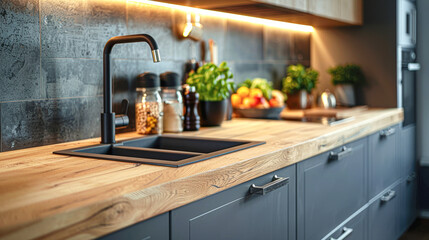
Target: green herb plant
(347, 74)
(213, 83)
(260, 83)
(299, 78)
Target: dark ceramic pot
(299, 100)
(212, 113)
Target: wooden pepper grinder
(192, 119)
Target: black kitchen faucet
(108, 119)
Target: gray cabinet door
(384, 215)
(384, 168)
(355, 229)
(154, 228)
(408, 150)
(237, 214)
(331, 189)
(408, 206)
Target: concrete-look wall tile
(104, 20)
(152, 20)
(34, 123)
(68, 77)
(63, 29)
(0, 131)
(248, 70)
(243, 41)
(283, 44)
(214, 28)
(19, 50)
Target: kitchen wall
(372, 46)
(51, 61)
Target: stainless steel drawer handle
(346, 233)
(277, 182)
(388, 196)
(411, 177)
(387, 132)
(337, 156)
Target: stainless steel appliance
(407, 84)
(406, 60)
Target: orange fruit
(243, 92)
(235, 100)
(256, 92)
(246, 103)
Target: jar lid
(147, 80)
(170, 79)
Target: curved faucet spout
(108, 116)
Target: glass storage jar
(173, 102)
(149, 106)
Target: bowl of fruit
(257, 99)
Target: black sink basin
(174, 151)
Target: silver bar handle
(388, 196)
(414, 27)
(387, 132)
(413, 66)
(411, 177)
(343, 153)
(346, 233)
(277, 182)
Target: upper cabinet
(318, 13)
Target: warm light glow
(271, 23)
(187, 30)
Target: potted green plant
(345, 78)
(298, 84)
(214, 84)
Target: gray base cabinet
(238, 214)
(384, 167)
(408, 206)
(331, 187)
(362, 190)
(154, 228)
(408, 150)
(384, 215)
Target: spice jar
(149, 107)
(173, 103)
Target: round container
(149, 106)
(173, 102)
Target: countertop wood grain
(48, 196)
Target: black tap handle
(122, 120)
(124, 106)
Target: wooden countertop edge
(109, 215)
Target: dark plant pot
(299, 100)
(212, 113)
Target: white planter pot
(345, 95)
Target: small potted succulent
(298, 84)
(214, 84)
(345, 78)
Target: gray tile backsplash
(51, 61)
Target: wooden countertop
(43, 195)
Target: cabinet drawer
(408, 150)
(408, 206)
(383, 161)
(238, 214)
(354, 229)
(330, 189)
(154, 228)
(384, 215)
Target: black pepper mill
(192, 119)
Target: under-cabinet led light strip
(272, 23)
